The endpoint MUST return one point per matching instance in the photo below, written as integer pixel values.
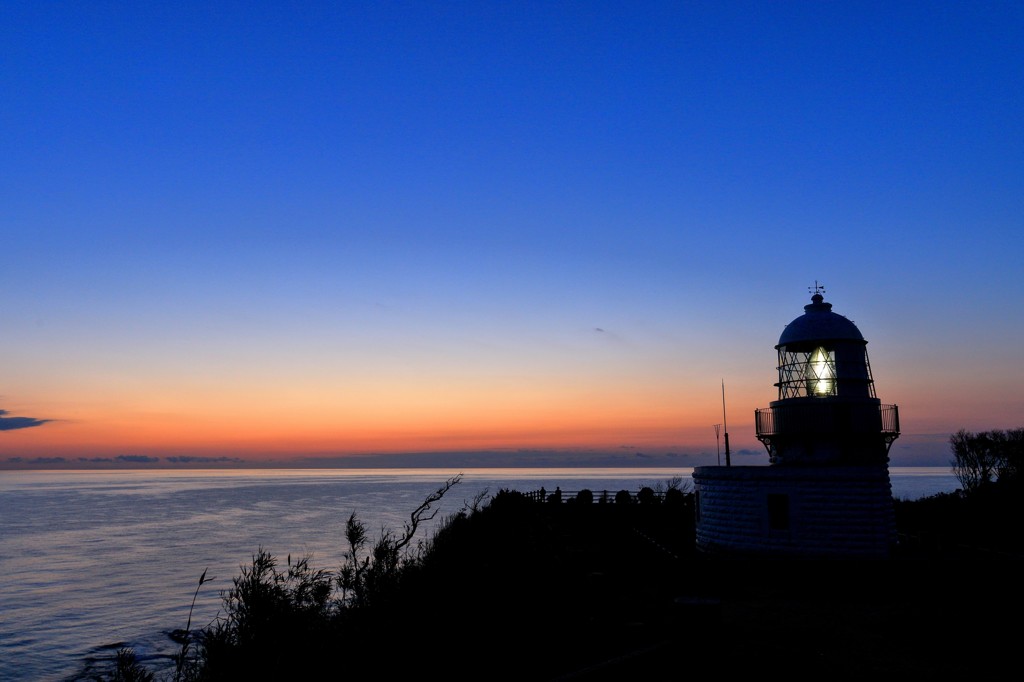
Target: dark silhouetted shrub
(674, 496)
(128, 669)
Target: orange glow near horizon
(580, 404)
(312, 419)
(406, 422)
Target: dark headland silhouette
(610, 585)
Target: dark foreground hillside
(520, 589)
(605, 592)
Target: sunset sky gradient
(537, 232)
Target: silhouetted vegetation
(502, 565)
(983, 518)
(273, 619)
(128, 669)
(986, 457)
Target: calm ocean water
(94, 560)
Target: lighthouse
(825, 491)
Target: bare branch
(423, 513)
(478, 500)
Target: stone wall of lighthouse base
(795, 511)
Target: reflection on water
(96, 558)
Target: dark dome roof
(819, 323)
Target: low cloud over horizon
(11, 423)
(129, 460)
(190, 459)
(122, 459)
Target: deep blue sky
(276, 229)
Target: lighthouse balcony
(828, 418)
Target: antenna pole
(718, 449)
(728, 462)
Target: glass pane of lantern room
(820, 372)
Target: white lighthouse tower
(826, 490)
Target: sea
(93, 561)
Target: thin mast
(725, 424)
(718, 449)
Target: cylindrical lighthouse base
(805, 511)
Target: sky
(496, 233)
